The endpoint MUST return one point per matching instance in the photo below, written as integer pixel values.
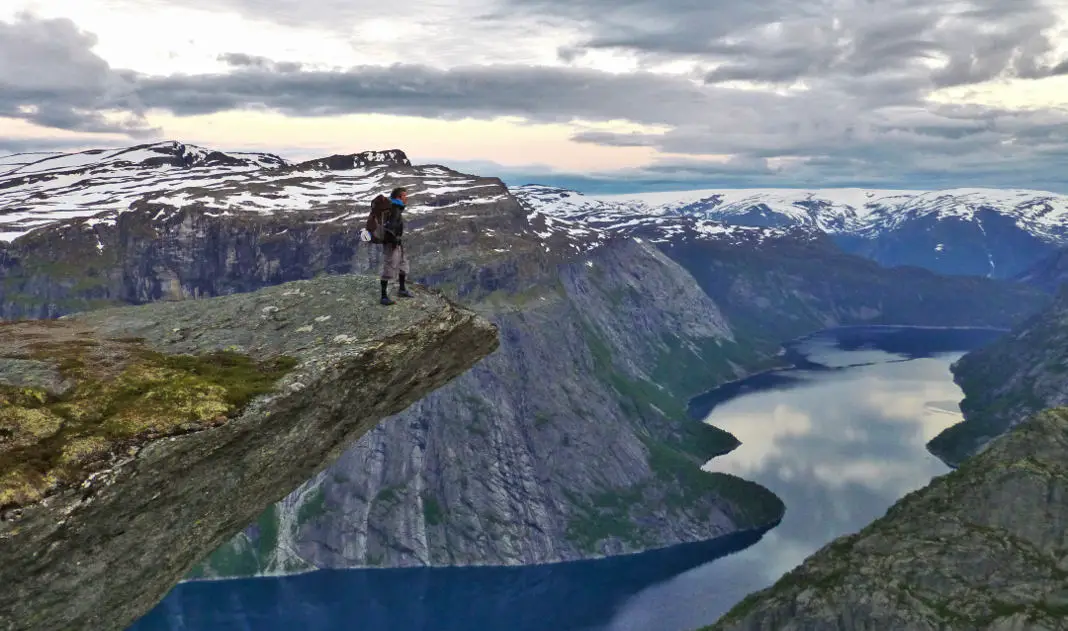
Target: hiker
(394, 260)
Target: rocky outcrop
(1007, 381)
(982, 548)
(135, 441)
(338, 162)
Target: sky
(598, 95)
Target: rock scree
(136, 440)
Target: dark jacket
(394, 224)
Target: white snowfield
(862, 212)
(40, 189)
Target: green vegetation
(124, 395)
(313, 508)
(662, 404)
(605, 516)
(689, 369)
(988, 405)
(754, 506)
(433, 514)
(678, 445)
(241, 556)
(524, 298)
(388, 495)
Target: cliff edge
(135, 441)
(984, 547)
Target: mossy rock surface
(72, 402)
(135, 441)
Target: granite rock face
(93, 536)
(982, 548)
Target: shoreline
(721, 539)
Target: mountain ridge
(984, 232)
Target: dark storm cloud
(50, 76)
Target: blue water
(839, 439)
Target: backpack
(376, 219)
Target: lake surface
(839, 439)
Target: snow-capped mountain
(95, 187)
(38, 190)
(118, 223)
(983, 232)
(986, 232)
(657, 223)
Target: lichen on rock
(119, 395)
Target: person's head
(400, 193)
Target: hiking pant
(393, 261)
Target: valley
(839, 440)
(573, 439)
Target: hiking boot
(404, 293)
(387, 301)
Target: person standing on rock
(394, 260)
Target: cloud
(242, 60)
(434, 32)
(933, 43)
(333, 14)
(816, 173)
(538, 93)
(833, 89)
(50, 76)
(10, 145)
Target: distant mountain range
(981, 232)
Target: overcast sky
(592, 93)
